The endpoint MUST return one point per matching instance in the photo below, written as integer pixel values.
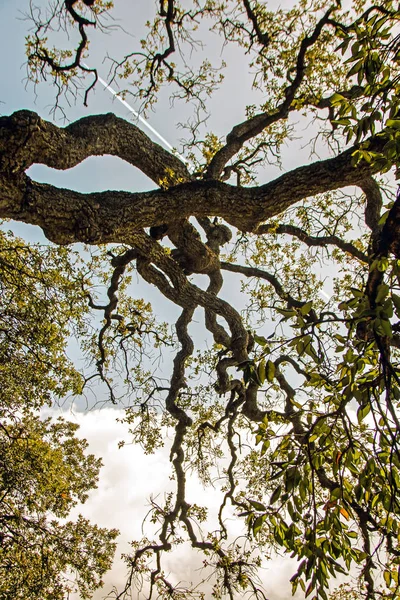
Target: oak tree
(44, 468)
(296, 396)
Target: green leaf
(275, 495)
(270, 371)
(292, 478)
(261, 372)
(258, 523)
(261, 340)
(305, 309)
(352, 534)
(258, 505)
(383, 264)
(356, 68)
(387, 577)
(393, 123)
(310, 589)
(362, 412)
(375, 500)
(383, 290)
(337, 99)
(336, 493)
(396, 302)
(383, 219)
(383, 327)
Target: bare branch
(310, 240)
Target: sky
(128, 477)
(128, 480)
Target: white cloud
(127, 480)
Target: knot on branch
(192, 255)
(218, 236)
(16, 133)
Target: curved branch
(119, 263)
(261, 274)
(262, 37)
(67, 216)
(178, 375)
(186, 294)
(251, 127)
(311, 240)
(26, 139)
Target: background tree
(44, 468)
(313, 380)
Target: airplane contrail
(324, 294)
(143, 121)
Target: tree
(314, 382)
(44, 468)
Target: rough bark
(67, 216)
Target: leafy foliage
(44, 469)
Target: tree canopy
(294, 402)
(44, 470)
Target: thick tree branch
(67, 216)
(26, 139)
(373, 204)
